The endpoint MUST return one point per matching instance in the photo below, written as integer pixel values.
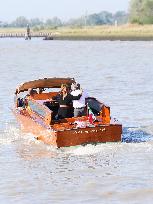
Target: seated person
(65, 99)
(20, 102)
(41, 90)
(31, 92)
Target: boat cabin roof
(44, 83)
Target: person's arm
(86, 94)
(76, 97)
(57, 97)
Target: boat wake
(131, 135)
(12, 134)
(91, 149)
(137, 134)
(9, 134)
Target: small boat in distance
(48, 38)
(36, 114)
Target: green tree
(20, 22)
(35, 22)
(121, 17)
(102, 18)
(54, 22)
(49, 22)
(141, 11)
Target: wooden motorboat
(36, 114)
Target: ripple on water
(118, 73)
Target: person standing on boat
(79, 105)
(65, 100)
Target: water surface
(118, 73)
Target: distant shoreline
(88, 38)
(92, 33)
(103, 38)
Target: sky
(64, 9)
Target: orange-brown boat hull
(28, 125)
(71, 137)
(101, 134)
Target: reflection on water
(118, 73)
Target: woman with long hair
(65, 100)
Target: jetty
(23, 35)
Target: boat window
(37, 109)
(48, 90)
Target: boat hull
(99, 134)
(70, 137)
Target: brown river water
(118, 73)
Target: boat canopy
(44, 83)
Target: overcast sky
(64, 9)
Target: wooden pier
(23, 35)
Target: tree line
(141, 11)
(101, 18)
